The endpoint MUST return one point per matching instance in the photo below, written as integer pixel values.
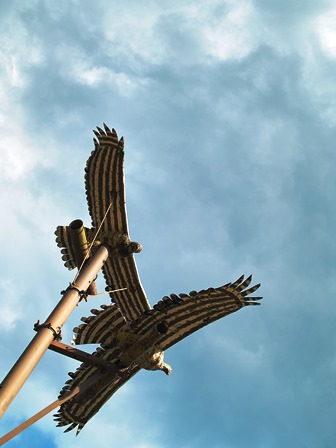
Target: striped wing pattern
(75, 413)
(104, 182)
(97, 328)
(63, 241)
(183, 313)
(187, 313)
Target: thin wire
(95, 237)
(92, 242)
(107, 292)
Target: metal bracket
(57, 333)
(83, 295)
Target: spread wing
(96, 329)
(104, 183)
(187, 313)
(184, 314)
(76, 412)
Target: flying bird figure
(132, 334)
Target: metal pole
(49, 330)
(78, 390)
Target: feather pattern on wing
(97, 329)
(183, 314)
(187, 313)
(63, 242)
(127, 323)
(79, 410)
(104, 182)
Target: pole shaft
(40, 343)
(78, 390)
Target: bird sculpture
(131, 334)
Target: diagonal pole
(16, 431)
(77, 391)
(49, 331)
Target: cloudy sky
(228, 110)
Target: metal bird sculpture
(132, 335)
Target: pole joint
(83, 295)
(56, 332)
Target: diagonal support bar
(47, 332)
(79, 355)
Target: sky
(228, 110)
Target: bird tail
(74, 241)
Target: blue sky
(228, 112)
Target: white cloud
(81, 68)
(319, 57)
(10, 309)
(105, 428)
(18, 154)
(231, 36)
(105, 46)
(326, 32)
(18, 54)
(94, 76)
(221, 30)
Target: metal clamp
(57, 333)
(83, 295)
